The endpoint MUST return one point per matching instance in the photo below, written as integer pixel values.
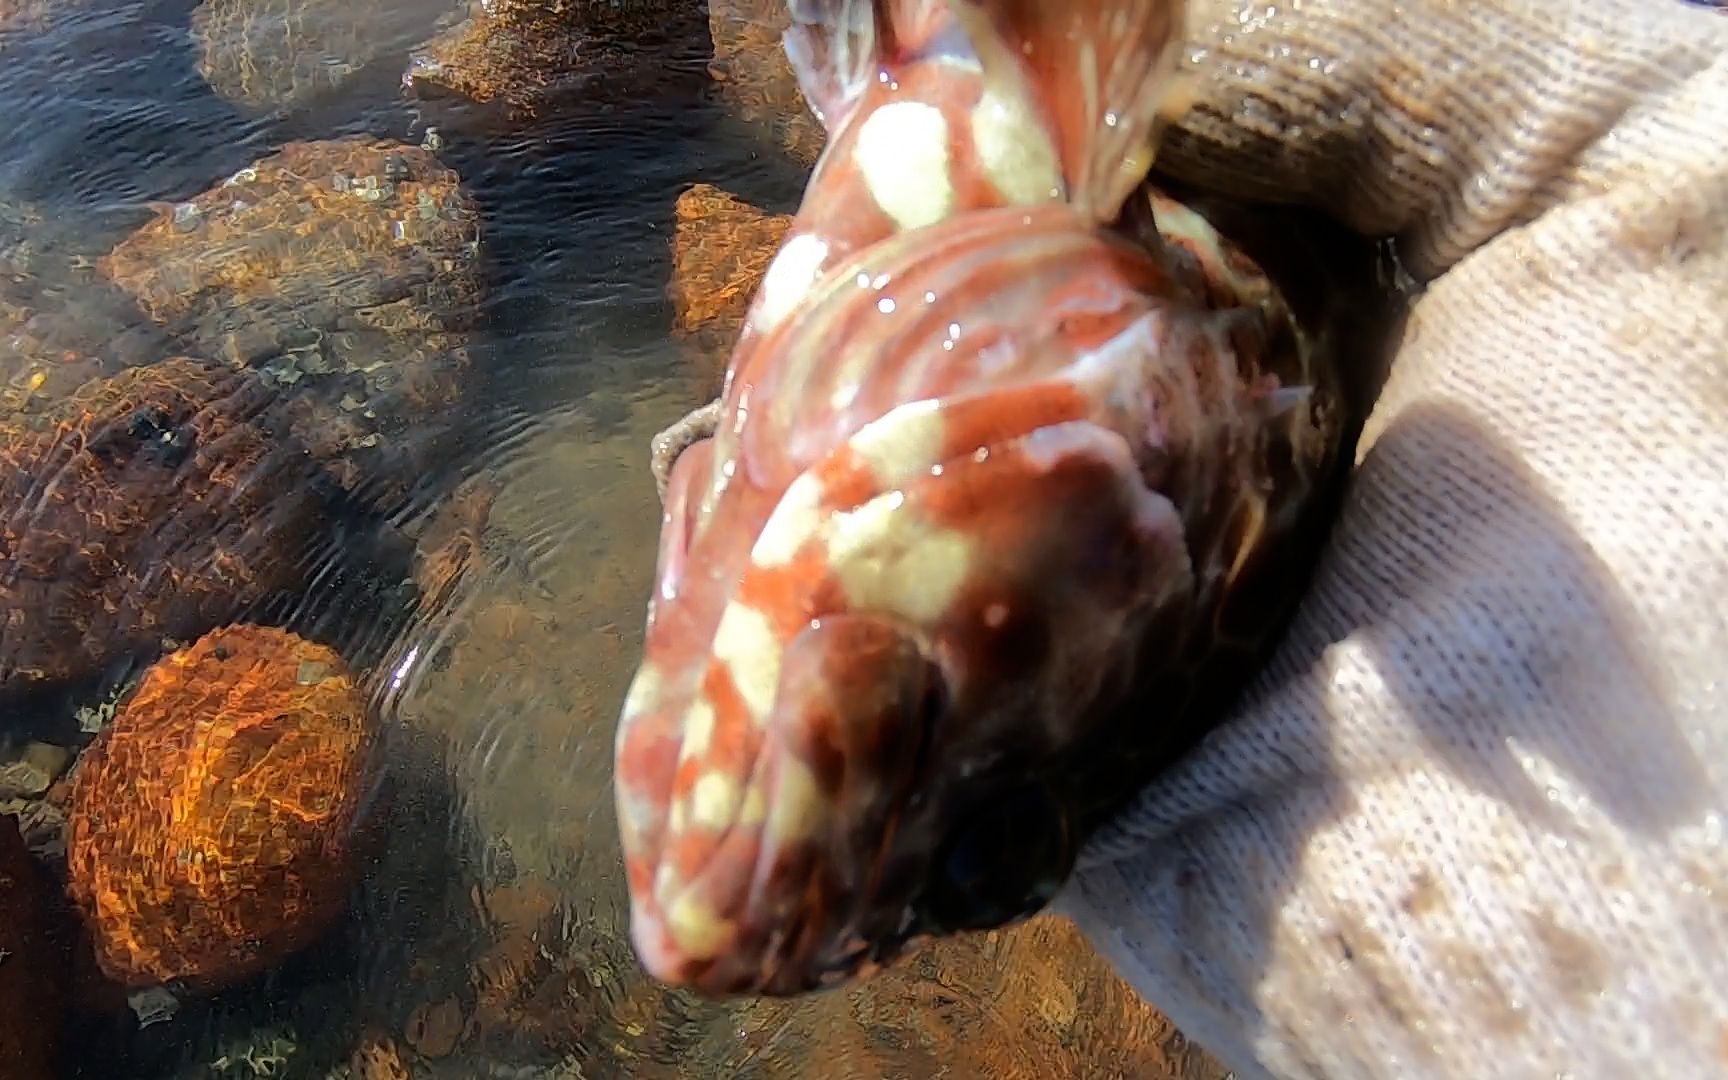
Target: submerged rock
(213, 823)
(347, 270)
(276, 54)
(61, 325)
(755, 77)
(158, 502)
(721, 247)
(526, 55)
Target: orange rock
(525, 55)
(377, 1058)
(212, 822)
(157, 503)
(346, 272)
(756, 78)
(721, 247)
(32, 969)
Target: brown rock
(274, 54)
(756, 78)
(721, 247)
(212, 823)
(523, 964)
(1034, 1000)
(435, 1028)
(60, 325)
(17, 16)
(525, 55)
(346, 269)
(452, 542)
(377, 1058)
(156, 503)
(32, 969)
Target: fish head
(868, 746)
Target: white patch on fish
(1016, 150)
(795, 520)
(714, 800)
(745, 642)
(903, 443)
(902, 152)
(889, 560)
(788, 280)
(695, 927)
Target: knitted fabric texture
(1470, 821)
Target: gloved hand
(1471, 821)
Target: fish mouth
(869, 819)
(998, 862)
(813, 881)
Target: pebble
(34, 770)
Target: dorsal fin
(1102, 72)
(833, 48)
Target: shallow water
(486, 938)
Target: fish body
(938, 107)
(985, 479)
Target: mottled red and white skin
(984, 473)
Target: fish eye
(1006, 860)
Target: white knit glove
(1471, 821)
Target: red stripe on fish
(935, 108)
(960, 440)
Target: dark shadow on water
(106, 110)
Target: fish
(919, 128)
(995, 477)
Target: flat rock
(277, 54)
(525, 56)
(347, 270)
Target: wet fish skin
(945, 526)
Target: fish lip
(855, 939)
(839, 928)
(848, 939)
